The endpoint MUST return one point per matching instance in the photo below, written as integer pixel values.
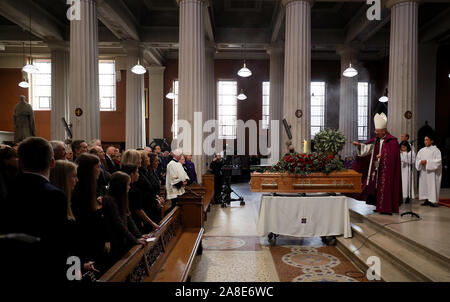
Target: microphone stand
(410, 184)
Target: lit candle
(305, 144)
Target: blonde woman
(64, 177)
(131, 157)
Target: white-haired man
(176, 177)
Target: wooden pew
(170, 256)
(206, 190)
(208, 183)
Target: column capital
(286, 2)
(210, 45)
(132, 48)
(348, 50)
(58, 45)
(156, 69)
(275, 48)
(205, 2)
(391, 3)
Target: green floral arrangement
(304, 164)
(329, 141)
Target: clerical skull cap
(380, 121)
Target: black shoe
(433, 205)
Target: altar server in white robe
(406, 152)
(429, 163)
(176, 176)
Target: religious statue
(23, 120)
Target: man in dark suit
(36, 208)
(111, 165)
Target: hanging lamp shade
(24, 84)
(30, 68)
(350, 72)
(244, 72)
(241, 96)
(170, 95)
(138, 69)
(384, 98)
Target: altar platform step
(408, 250)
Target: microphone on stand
(410, 184)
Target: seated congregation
(60, 205)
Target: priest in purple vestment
(379, 162)
(190, 167)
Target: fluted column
(191, 74)
(135, 103)
(155, 100)
(403, 60)
(297, 71)
(348, 103)
(210, 93)
(83, 83)
(60, 89)
(276, 53)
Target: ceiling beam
(116, 17)
(154, 56)
(435, 27)
(360, 28)
(42, 26)
(209, 24)
(278, 23)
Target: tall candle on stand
(305, 144)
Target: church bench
(170, 255)
(205, 193)
(208, 184)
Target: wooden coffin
(348, 181)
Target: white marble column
(156, 102)
(348, 103)
(60, 89)
(83, 83)
(135, 103)
(191, 74)
(297, 71)
(210, 94)
(276, 53)
(403, 62)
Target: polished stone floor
(233, 251)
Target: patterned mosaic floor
(232, 252)
(314, 264)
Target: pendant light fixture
(242, 96)
(138, 68)
(170, 95)
(24, 83)
(244, 71)
(30, 68)
(350, 72)
(384, 98)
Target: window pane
(317, 122)
(227, 108)
(363, 112)
(107, 85)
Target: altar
(316, 215)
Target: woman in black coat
(88, 213)
(148, 184)
(123, 231)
